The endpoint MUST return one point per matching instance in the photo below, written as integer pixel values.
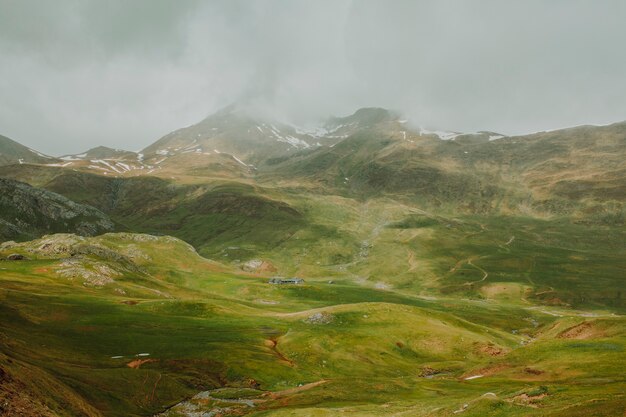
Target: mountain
(372, 153)
(27, 212)
(12, 152)
(577, 172)
(234, 131)
(364, 118)
(441, 273)
(103, 152)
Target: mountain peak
(364, 117)
(12, 152)
(102, 152)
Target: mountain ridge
(12, 152)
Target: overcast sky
(76, 73)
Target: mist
(78, 74)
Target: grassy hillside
(573, 172)
(212, 215)
(168, 325)
(12, 152)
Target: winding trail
(413, 264)
(469, 261)
(296, 390)
(485, 273)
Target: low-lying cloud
(78, 74)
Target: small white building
(280, 281)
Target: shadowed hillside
(27, 212)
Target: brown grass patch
(291, 391)
(584, 330)
(504, 290)
(491, 350)
(532, 371)
(266, 267)
(529, 400)
(487, 371)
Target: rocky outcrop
(27, 212)
(320, 318)
(258, 266)
(88, 261)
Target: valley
(444, 273)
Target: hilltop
(12, 152)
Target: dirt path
(291, 391)
(412, 236)
(458, 265)
(470, 262)
(413, 264)
(505, 246)
(485, 273)
(302, 312)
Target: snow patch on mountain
(74, 157)
(103, 162)
(442, 134)
(239, 160)
(40, 154)
(59, 165)
(321, 131)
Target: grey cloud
(78, 74)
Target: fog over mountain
(78, 74)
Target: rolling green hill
(127, 324)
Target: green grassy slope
(211, 216)
(365, 351)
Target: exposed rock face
(320, 318)
(91, 272)
(27, 212)
(85, 260)
(54, 245)
(258, 266)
